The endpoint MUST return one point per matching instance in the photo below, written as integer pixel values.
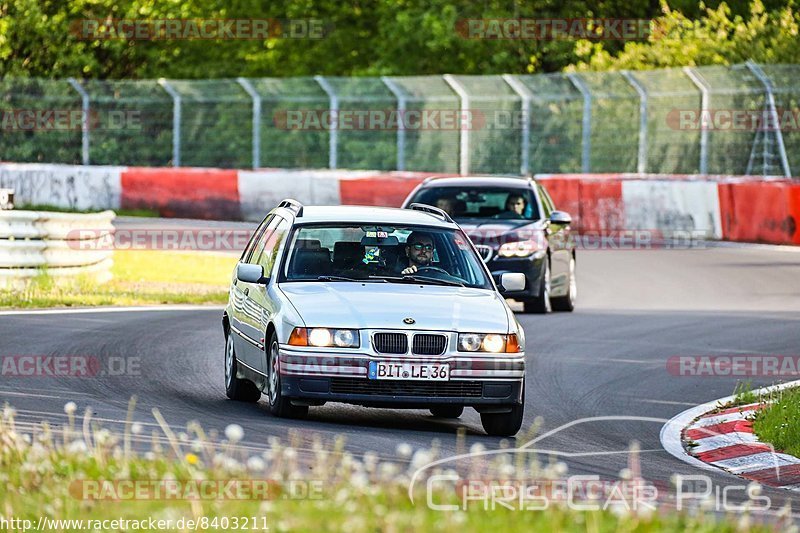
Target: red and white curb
(725, 440)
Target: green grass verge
(46, 471)
(120, 212)
(779, 422)
(140, 277)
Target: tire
(279, 405)
(567, 303)
(505, 424)
(541, 304)
(242, 390)
(447, 411)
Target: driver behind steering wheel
(419, 251)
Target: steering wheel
(435, 269)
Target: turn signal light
(299, 337)
(512, 345)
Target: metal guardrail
(62, 244)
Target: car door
(560, 243)
(260, 295)
(245, 315)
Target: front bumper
(475, 380)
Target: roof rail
(433, 211)
(292, 205)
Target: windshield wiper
(344, 278)
(419, 279)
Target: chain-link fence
(742, 119)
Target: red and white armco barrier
(747, 209)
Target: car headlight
(488, 342)
(325, 337)
(518, 249)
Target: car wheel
(242, 390)
(505, 424)
(540, 305)
(279, 405)
(447, 411)
(567, 302)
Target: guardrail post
(526, 96)
(463, 165)
(401, 123)
(84, 119)
(334, 126)
(586, 122)
(176, 121)
(773, 112)
(693, 75)
(248, 87)
(641, 164)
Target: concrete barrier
(716, 207)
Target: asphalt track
(636, 309)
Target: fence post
(701, 85)
(84, 119)
(248, 87)
(773, 112)
(526, 96)
(586, 123)
(463, 165)
(401, 122)
(334, 129)
(641, 165)
(176, 121)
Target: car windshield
(382, 254)
(482, 202)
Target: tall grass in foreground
(41, 465)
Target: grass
(140, 277)
(44, 468)
(61, 209)
(779, 422)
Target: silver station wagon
(376, 307)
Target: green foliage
(385, 37)
(717, 37)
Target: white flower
(753, 490)
(370, 458)
(477, 448)
(136, 428)
(234, 432)
(77, 446)
(561, 468)
(70, 408)
(404, 449)
(421, 458)
(359, 480)
(290, 453)
(255, 464)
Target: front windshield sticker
(372, 255)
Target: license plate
(409, 371)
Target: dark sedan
(516, 228)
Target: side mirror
(512, 282)
(560, 217)
(250, 273)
